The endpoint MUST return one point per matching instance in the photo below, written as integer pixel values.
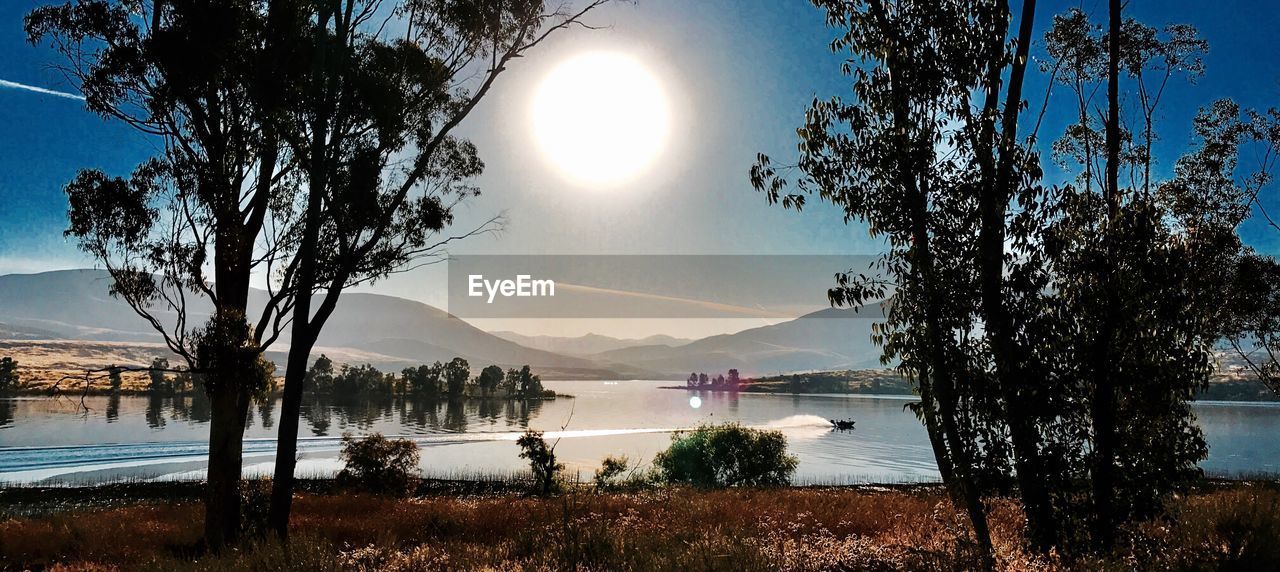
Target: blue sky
(739, 72)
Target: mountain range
(392, 333)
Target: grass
(454, 526)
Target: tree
(9, 381)
(693, 380)
(918, 71)
(424, 380)
(1014, 341)
(733, 379)
(490, 377)
(115, 379)
(320, 377)
(159, 382)
(1136, 268)
(511, 384)
(456, 374)
(204, 78)
(373, 136)
(1250, 320)
(360, 382)
(530, 385)
(542, 460)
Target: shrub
(714, 456)
(378, 464)
(8, 375)
(542, 460)
(255, 501)
(610, 469)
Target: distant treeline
(722, 382)
(450, 380)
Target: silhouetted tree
(489, 379)
(9, 382)
(542, 460)
(204, 78)
(373, 137)
(456, 374)
(320, 377)
(1077, 326)
(115, 379)
(159, 381)
(511, 383)
(424, 380)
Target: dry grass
(672, 529)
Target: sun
(601, 117)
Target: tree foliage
(1058, 351)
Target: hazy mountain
(588, 344)
(394, 332)
(75, 304)
(825, 340)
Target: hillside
(387, 331)
(588, 344)
(829, 339)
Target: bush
(378, 464)
(542, 460)
(715, 456)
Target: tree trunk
(305, 331)
(1009, 358)
(1104, 398)
(287, 442)
(226, 445)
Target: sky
(737, 74)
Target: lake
(56, 441)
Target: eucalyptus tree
(926, 154)
(182, 232)
(373, 135)
(1061, 348)
(1251, 319)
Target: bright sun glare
(601, 117)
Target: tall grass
(794, 529)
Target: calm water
(138, 437)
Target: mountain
(588, 344)
(75, 304)
(392, 333)
(829, 339)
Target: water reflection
(113, 408)
(607, 418)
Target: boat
(842, 424)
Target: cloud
(23, 86)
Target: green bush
(378, 464)
(715, 456)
